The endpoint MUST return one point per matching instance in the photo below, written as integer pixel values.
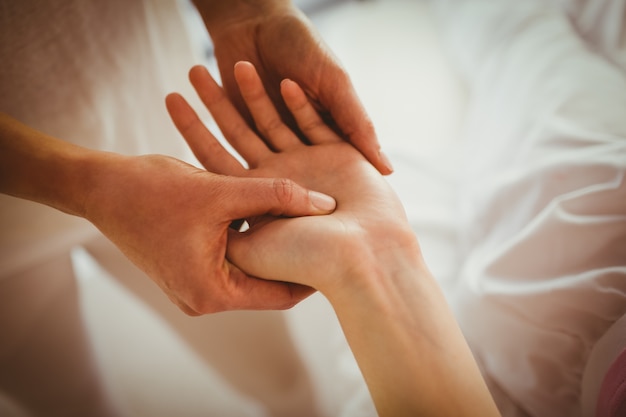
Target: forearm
(220, 13)
(40, 168)
(407, 343)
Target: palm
(173, 224)
(364, 202)
(303, 250)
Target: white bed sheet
(542, 195)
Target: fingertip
(245, 76)
(170, 100)
(287, 83)
(203, 81)
(243, 64)
(197, 70)
(292, 93)
(179, 110)
(365, 140)
(287, 86)
(386, 166)
(322, 203)
(172, 104)
(173, 100)
(379, 160)
(243, 70)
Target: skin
(363, 257)
(141, 202)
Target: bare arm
(364, 257)
(40, 168)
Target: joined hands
(363, 257)
(369, 221)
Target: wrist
(218, 15)
(407, 343)
(44, 169)
(391, 264)
(103, 174)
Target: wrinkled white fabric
(65, 71)
(542, 192)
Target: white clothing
(94, 73)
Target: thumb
(278, 197)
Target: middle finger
(267, 119)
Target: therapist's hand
(281, 43)
(369, 226)
(172, 220)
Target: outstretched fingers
(207, 149)
(307, 118)
(268, 121)
(231, 123)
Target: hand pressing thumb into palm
(277, 197)
(259, 198)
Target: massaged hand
(281, 43)
(369, 220)
(363, 257)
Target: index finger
(348, 112)
(204, 145)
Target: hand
(363, 257)
(281, 43)
(369, 221)
(172, 220)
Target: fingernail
(386, 162)
(322, 202)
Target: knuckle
(270, 127)
(198, 303)
(311, 125)
(238, 130)
(284, 190)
